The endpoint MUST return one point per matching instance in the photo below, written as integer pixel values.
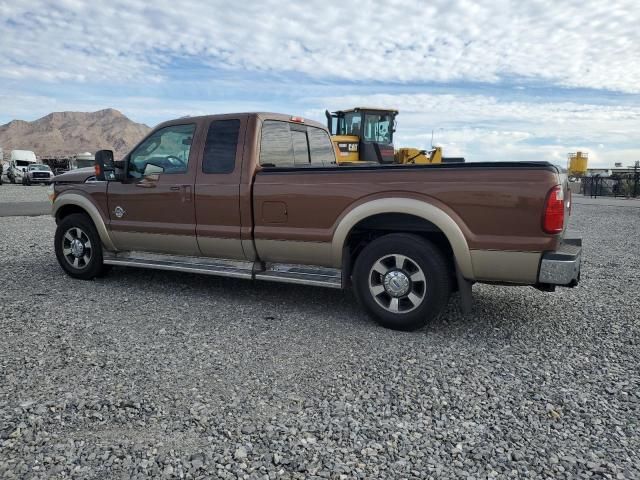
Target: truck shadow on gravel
(497, 314)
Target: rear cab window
(289, 145)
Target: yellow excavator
(364, 135)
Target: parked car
(260, 196)
(37, 173)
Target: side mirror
(105, 166)
(152, 169)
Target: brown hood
(79, 175)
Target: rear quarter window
(320, 147)
(276, 145)
(285, 144)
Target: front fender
(85, 204)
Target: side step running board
(301, 274)
(274, 272)
(207, 266)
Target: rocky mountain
(68, 133)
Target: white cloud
(574, 43)
(136, 54)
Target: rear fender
(409, 206)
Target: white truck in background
(3, 167)
(19, 163)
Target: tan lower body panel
(155, 242)
(505, 266)
(286, 251)
(221, 247)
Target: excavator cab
(363, 135)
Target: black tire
(12, 179)
(79, 226)
(383, 296)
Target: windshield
(40, 167)
(377, 127)
(22, 163)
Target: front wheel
(402, 281)
(78, 247)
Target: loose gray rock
(530, 385)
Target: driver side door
(153, 209)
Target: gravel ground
(19, 193)
(152, 374)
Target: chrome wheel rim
(76, 248)
(397, 283)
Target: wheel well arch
(69, 209)
(72, 202)
(377, 225)
(398, 214)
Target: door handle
(174, 188)
(186, 194)
(146, 185)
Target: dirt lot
(146, 373)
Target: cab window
(276, 145)
(352, 124)
(377, 128)
(165, 151)
(286, 144)
(300, 147)
(220, 147)
(320, 147)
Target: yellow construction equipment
(413, 155)
(364, 135)
(578, 163)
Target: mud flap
(466, 294)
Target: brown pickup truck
(260, 196)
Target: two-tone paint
(490, 213)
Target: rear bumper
(562, 267)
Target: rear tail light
(553, 217)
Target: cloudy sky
(494, 80)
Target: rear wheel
(402, 281)
(78, 247)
